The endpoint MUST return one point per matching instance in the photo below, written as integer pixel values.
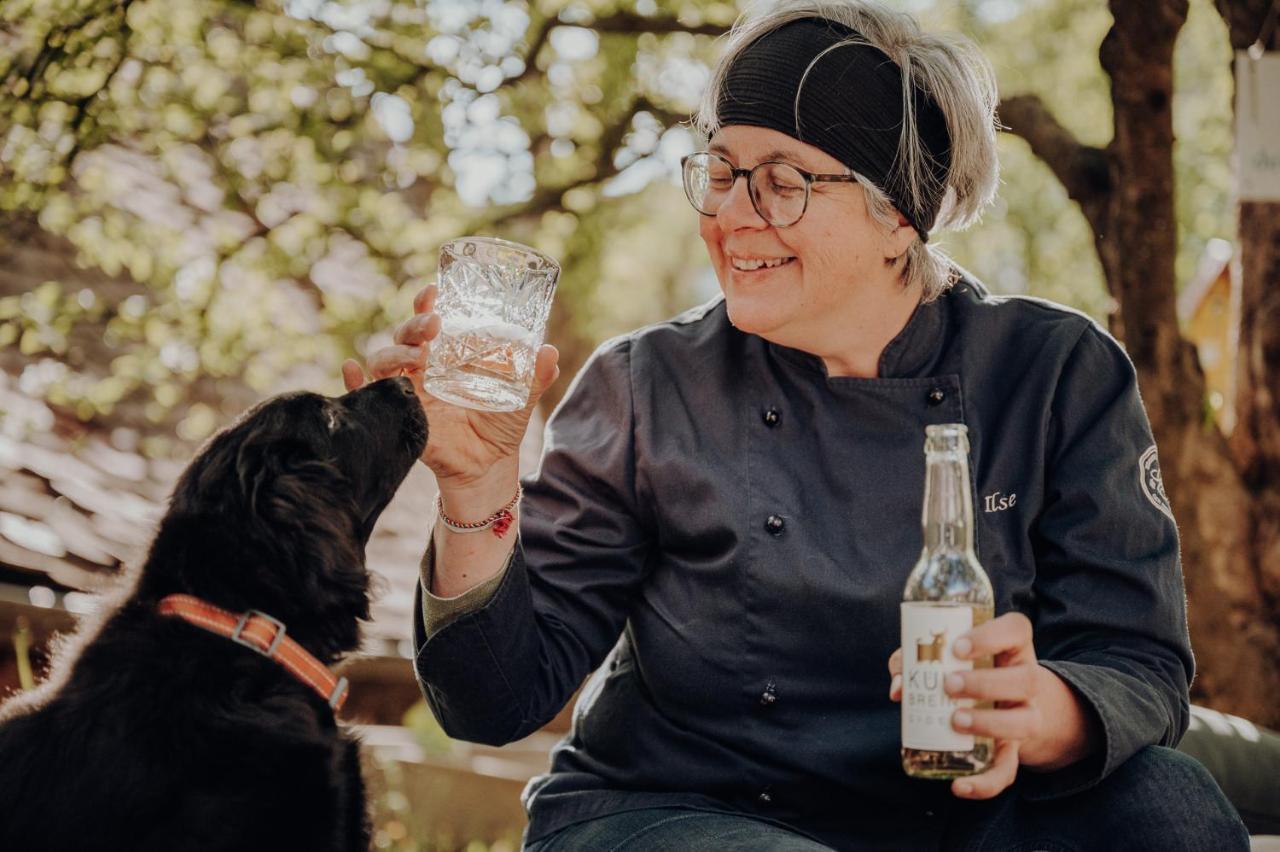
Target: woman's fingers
(1005, 723)
(409, 354)
(997, 778)
(1010, 635)
(396, 360)
(546, 369)
(895, 669)
(352, 375)
(423, 325)
(417, 329)
(1007, 683)
(425, 299)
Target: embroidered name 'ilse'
(997, 503)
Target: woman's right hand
(464, 444)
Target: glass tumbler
(494, 298)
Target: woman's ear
(898, 239)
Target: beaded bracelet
(500, 521)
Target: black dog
(155, 733)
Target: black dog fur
(154, 734)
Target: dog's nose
(405, 385)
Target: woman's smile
(754, 264)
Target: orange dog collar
(266, 635)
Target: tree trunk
(1255, 442)
(1207, 493)
(1225, 541)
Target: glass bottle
(946, 595)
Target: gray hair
(947, 67)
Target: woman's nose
(737, 211)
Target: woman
(728, 505)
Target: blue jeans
(1158, 800)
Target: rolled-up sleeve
(499, 671)
(1111, 606)
(438, 612)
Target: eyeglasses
(779, 192)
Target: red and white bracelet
(500, 521)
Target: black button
(772, 416)
(775, 525)
(929, 814)
(936, 396)
(613, 665)
(765, 797)
(770, 694)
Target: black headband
(851, 107)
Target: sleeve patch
(1152, 484)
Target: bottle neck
(948, 504)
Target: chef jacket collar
(912, 353)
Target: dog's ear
(256, 466)
(284, 480)
(305, 507)
(263, 465)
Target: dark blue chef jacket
(728, 529)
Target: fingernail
(954, 683)
(964, 788)
(962, 647)
(895, 684)
(962, 719)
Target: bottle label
(928, 634)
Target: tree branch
(54, 48)
(619, 22)
(1244, 19)
(1083, 169)
(1137, 54)
(604, 167)
(629, 22)
(82, 105)
(536, 44)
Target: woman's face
(834, 251)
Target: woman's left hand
(1037, 720)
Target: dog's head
(275, 511)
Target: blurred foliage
(427, 731)
(398, 825)
(423, 806)
(278, 176)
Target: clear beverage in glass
(494, 299)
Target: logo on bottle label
(928, 633)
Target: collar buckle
(237, 635)
(339, 693)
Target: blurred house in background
(1209, 311)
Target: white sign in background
(1258, 126)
